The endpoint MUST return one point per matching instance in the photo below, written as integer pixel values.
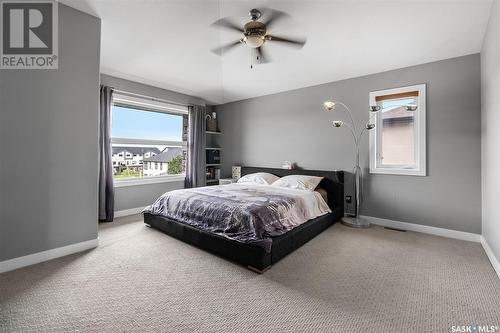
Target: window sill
(151, 180)
(400, 172)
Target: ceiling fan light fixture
(254, 41)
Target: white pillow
(299, 182)
(263, 178)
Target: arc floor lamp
(357, 132)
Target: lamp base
(355, 222)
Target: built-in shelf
(213, 153)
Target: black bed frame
(254, 257)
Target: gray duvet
(246, 213)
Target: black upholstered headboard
(332, 183)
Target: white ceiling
(167, 43)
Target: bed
(257, 255)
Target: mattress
(247, 213)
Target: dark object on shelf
(213, 173)
(254, 257)
(213, 156)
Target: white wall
(490, 111)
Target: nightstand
(225, 181)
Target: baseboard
(494, 261)
(467, 236)
(127, 212)
(35, 258)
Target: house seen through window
(148, 139)
(397, 132)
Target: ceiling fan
(255, 34)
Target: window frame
(147, 105)
(420, 166)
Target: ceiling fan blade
(228, 24)
(262, 56)
(271, 16)
(225, 48)
(296, 42)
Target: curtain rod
(123, 92)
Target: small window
(397, 143)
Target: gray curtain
(106, 189)
(195, 167)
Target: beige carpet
(344, 280)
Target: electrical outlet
(348, 199)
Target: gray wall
(137, 196)
(291, 125)
(142, 195)
(150, 91)
(49, 146)
(490, 74)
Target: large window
(397, 143)
(148, 140)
